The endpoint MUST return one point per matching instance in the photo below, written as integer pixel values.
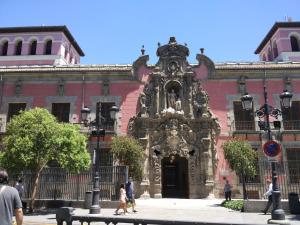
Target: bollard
(64, 214)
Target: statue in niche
(61, 87)
(105, 88)
(178, 105)
(143, 109)
(172, 97)
(201, 103)
(18, 87)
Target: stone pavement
(207, 210)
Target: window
(66, 53)
(293, 160)
(4, 48)
(270, 56)
(14, 109)
(294, 44)
(48, 47)
(291, 116)
(106, 122)
(106, 157)
(275, 49)
(33, 47)
(18, 48)
(61, 111)
(264, 57)
(244, 119)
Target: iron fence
(58, 184)
(288, 173)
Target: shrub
(234, 205)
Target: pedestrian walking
(10, 202)
(130, 194)
(122, 199)
(20, 188)
(268, 194)
(227, 190)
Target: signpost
(272, 148)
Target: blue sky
(113, 31)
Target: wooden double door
(175, 177)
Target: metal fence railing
(58, 184)
(288, 173)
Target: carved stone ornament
(18, 87)
(175, 117)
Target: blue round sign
(272, 148)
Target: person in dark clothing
(130, 194)
(20, 188)
(227, 191)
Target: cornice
(73, 68)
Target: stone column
(193, 187)
(145, 182)
(156, 165)
(209, 183)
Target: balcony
(243, 126)
(291, 124)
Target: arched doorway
(175, 177)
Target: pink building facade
(38, 46)
(64, 88)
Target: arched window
(270, 56)
(48, 47)
(18, 48)
(264, 57)
(33, 47)
(275, 49)
(4, 48)
(294, 44)
(66, 54)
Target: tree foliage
(34, 138)
(128, 151)
(240, 156)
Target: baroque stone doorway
(175, 177)
(174, 120)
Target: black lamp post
(265, 112)
(100, 132)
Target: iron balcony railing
(251, 126)
(242, 125)
(291, 124)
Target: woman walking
(122, 204)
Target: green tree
(128, 151)
(34, 138)
(241, 158)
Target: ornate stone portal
(176, 128)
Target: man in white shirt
(269, 195)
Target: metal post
(277, 212)
(95, 208)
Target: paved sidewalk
(175, 209)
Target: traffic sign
(272, 148)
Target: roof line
(63, 29)
(273, 30)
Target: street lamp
(264, 112)
(100, 132)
